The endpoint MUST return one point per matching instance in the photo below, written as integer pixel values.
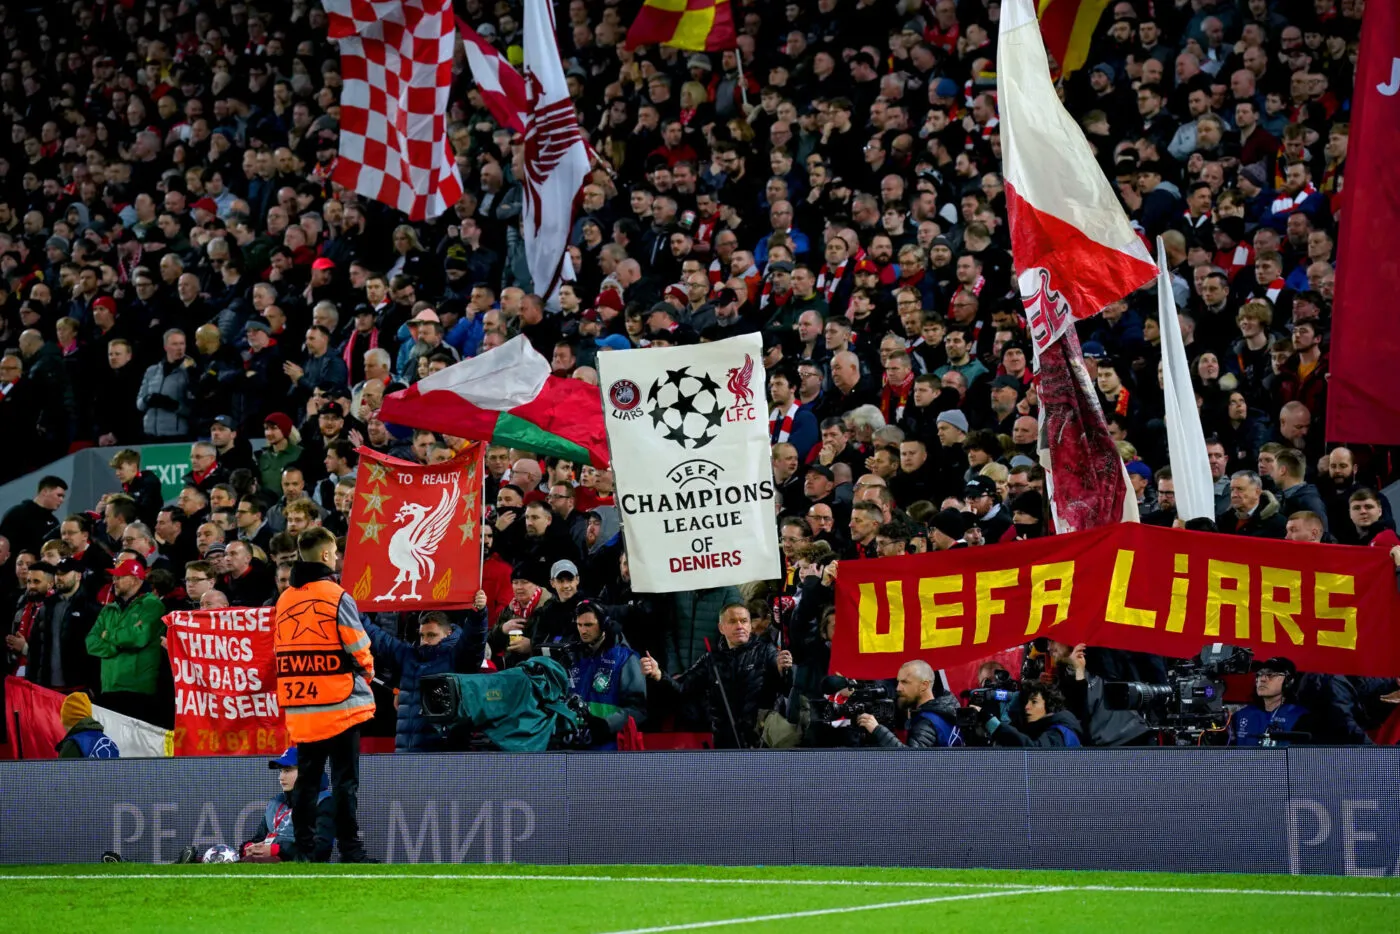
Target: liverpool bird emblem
(412, 547)
(739, 379)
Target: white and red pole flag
(556, 157)
(501, 87)
(1075, 252)
(396, 62)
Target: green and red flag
(507, 396)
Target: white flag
(135, 739)
(1195, 493)
(688, 429)
(556, 158)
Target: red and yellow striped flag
(694, 25)
(1068, 29)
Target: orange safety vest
(316, 678)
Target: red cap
(589, 315)
(130, 568)
(676, 292)
(105, 301)
(609, 298)
(206, 204)
(866, 265)
(323, 263)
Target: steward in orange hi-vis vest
(323, 657)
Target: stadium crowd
(179, 267)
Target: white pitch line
(819, 912)
(675, 880)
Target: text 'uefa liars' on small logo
(685, 408)
(625, 397)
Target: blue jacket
(611, 683)
(1248, 726)
(276, 826)
(461, 652)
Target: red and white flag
(1075, 252)
(556, 157)
(1072, 244)
(501, 87)
(396, 62)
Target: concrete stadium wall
(1300, 811)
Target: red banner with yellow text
(225, 682)
(415, 533)
(1328, 608)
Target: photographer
(1273, 718)
(606, 675)
(732, 682)
(1047, 722)
(1084, 697)
(932, 722)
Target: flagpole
(743, 90)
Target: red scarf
(766, 295)
(348, 354)
(780, 431)
(1286, 203)
(828, 279)
(895, 396)
(1121, 406)
(524, 611)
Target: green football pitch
(611, 899)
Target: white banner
(688, 429)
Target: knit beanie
(75, 707)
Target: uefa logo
(625, 396)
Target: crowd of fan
(180, 267)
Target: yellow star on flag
(469, 503)
(378, 473)
(374, 502)
(369, 531)
(468, 531)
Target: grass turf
(594, 900)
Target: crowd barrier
(1300, 811)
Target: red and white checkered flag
(396, 61)
(501, 87)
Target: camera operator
(1274, 711)
(733, 682)
(606, 675)
(1047, 722)
(932, 718)
(1084, 697)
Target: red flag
(415, 533)
(225, 682)
(501, 87)
(1365, 332)
(40, 730)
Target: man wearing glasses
(1273, 718)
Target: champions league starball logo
(685, 407)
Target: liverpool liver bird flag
(415, 532)
(556, 157)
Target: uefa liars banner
(1329, 608)
(415, 533)
(225, 682)
(688, 430)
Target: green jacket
(127, 639)
(271, 464)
